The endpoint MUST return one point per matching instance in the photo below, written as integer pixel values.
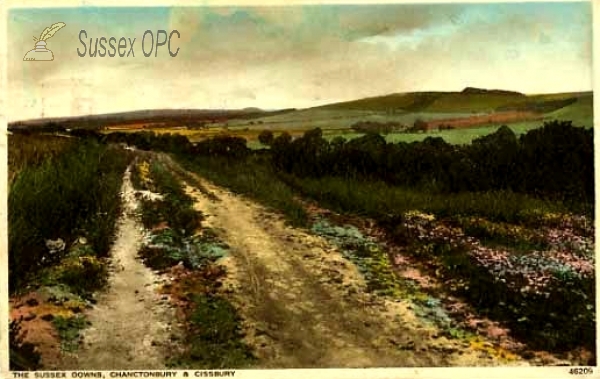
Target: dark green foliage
(215, 338)
(557, 160)
(554, 161)
(151, 141)
(377, 127)
(23, 355)
(74, 195)
(222, 146)
(266, 137)
(153, 212)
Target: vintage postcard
(207, 190)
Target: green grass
(215, 338)
(377, 199)
(73, 195)
(408, 101)
(581, 112)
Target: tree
(266, 137)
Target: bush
(553, 162)
(266, 137)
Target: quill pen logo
(41, 53)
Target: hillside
(151, 116)
(470, 100)
(470, 108)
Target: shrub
(266, 137)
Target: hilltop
(469, 100)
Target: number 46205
(581, 371)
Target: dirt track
(304, 305)
(130, 324)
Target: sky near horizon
(294, 56)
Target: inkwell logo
(41, 53)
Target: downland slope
(470, 108)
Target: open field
(455, 136)
(475, 114)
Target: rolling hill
(469, 108)
(470, 100)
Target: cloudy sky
(294, 56)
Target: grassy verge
(379, 200)
(32, 150)
(65, 199)
(179, 245)
(62, 208)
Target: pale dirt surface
(131, 324)
(304, 305)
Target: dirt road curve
(304, 305)
(130, 324)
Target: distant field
(472, 113)
(456, 137)
(581, 112)
(478, 108)
(336, 119)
